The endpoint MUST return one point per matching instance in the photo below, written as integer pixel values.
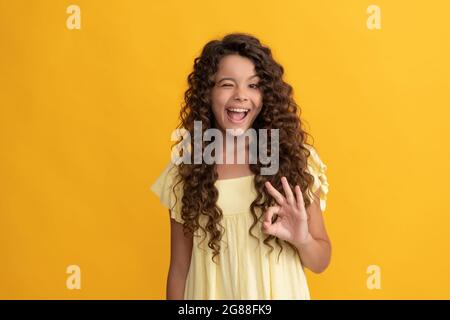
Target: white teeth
(238, 109)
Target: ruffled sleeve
(162, 187)
(318, 169)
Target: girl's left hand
(292, 222)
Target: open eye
(254, 86)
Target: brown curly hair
(279, 111)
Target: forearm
(176, 282)
(315, 254)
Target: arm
(315, 253)
(180, 258)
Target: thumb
(268, 228)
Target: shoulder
(314, 160)
(318, 169)
(167, 176)
(169, 190)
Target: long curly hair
(279, 111)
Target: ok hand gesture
(292, 222)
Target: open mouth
(237, 115)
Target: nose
(240, 96)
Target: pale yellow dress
(245, 270)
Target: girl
(227, 219)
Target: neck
(234, 148)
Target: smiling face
(236, 97)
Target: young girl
(228, 219)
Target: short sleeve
(318, 169)
(162, 187)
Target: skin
(235, 85)
(309, 236)
(180, 259)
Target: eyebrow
(229, 78)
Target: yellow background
(86, 117)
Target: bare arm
(316, 253)
(180, 258)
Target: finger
(269, 214)
(300, 202)
(288, 191)
(267, 226)
(272, 229)
(299, 196)
(274, 193)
